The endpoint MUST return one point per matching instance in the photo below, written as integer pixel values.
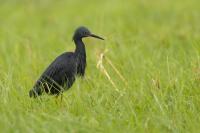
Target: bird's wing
(61, 69)
(62, 66)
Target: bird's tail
(35, 92)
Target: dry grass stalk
(102, 68)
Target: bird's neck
(80, 48)
(81, 57)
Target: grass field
(154, 45)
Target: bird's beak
(95, 36)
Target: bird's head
(82, 32)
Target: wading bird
(60, 74)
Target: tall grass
(152, 64)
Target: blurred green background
(154, 45)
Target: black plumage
(60, 74)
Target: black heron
(60, 74)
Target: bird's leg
(61, 99)
(56, 99)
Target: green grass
(154, 44)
